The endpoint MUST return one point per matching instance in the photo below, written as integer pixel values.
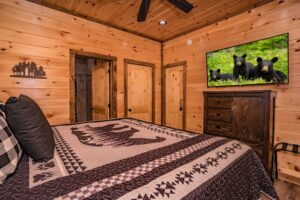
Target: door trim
(163, 116)
(146, 64)
(112, 85)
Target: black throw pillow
(30, 127)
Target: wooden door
(81, 97)
(174, 97)
(83, 89)
(100, 90)
(139, 92)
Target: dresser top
(240, 92)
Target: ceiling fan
(181, 4)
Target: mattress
(130, 159)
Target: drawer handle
(218, 127)
(218, 102)
(218, 114)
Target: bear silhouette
(111, 135)
(17, 69)
(40, 72)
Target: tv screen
(254, 63)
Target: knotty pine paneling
(271, 19)
(123, 14)
(30, 32)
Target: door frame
(146, 64)
(112, 80)
(163, 116)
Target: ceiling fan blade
(182, 5)
(143, 10)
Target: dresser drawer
(219, 114)
(218, 127)
(219, 102)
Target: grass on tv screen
(260, 62)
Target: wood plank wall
(29, 32)
(274, 18)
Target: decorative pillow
(30, 126)
(10, 151)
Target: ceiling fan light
(162, 22)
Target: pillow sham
(30, 127)
(10, 150)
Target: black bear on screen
(216, 75)
(265, 70)
(243, 68)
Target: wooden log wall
(274, 18)
(30, 32)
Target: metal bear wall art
(28, 70)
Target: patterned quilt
(133, 160)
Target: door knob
(180, 108)
(129, 109)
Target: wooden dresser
(246, 116)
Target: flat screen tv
(255, 63)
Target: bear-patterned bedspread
(134, 160)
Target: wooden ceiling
(122, 14)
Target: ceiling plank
(122, 14)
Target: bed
(131, 159)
